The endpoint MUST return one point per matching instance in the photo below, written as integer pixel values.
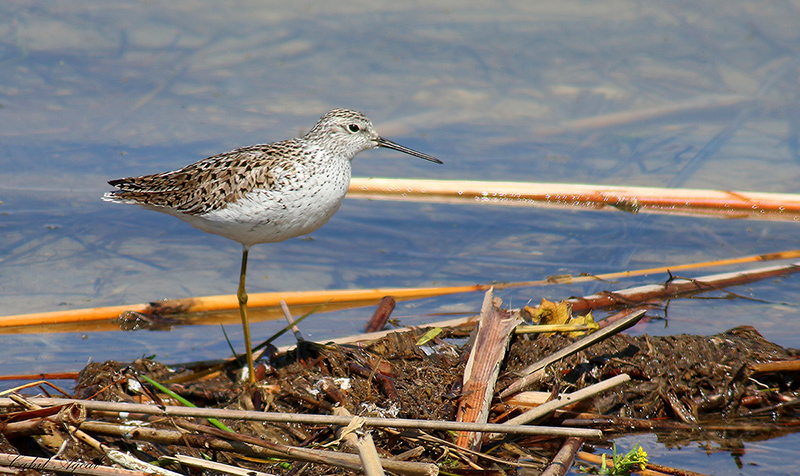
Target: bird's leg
(242, 295)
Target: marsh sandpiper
(263, 193)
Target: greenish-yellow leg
(242, 295)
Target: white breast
(297, 205)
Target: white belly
(301, 204)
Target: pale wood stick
(298, 336)
(214, 466)
(568, 399)
(361, 441)
(775, 366)
(369, 455)
(312, 419)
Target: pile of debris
(473, 399)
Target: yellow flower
(641, 455)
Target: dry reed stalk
(355, 297)
(340, 298)
(311, 419)
(679, 287)
(692, 202)
(564, 457)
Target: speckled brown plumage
(214, 182)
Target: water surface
(91, 91)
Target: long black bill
(393, 145)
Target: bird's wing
(211, 183)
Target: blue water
(91, 91)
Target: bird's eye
(353, 128)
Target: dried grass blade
(214, 466)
